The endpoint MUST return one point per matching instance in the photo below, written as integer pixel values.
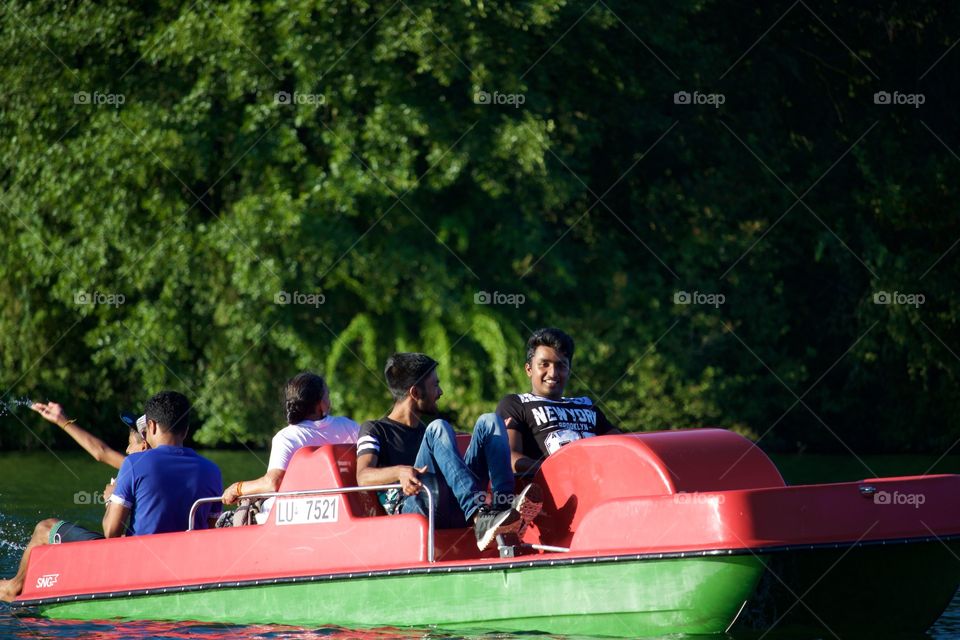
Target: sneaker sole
(493, 532)
(529, 506)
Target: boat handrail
(334, 491)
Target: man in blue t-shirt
(154, 491)
(156, 488)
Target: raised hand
(50, 411)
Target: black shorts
(65, 531)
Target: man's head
(549, 356)
(305, 396)
(168, 415)
(137, 437)
(413, 377)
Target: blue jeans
(459, 484)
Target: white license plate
(307, 510)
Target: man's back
(160, 485)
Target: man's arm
(369, 474)
(521, 463)
(604, 426)
(115, 520)
(268, 483)
(93, 445)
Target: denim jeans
(459, 484)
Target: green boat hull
(630, 597)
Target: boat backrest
(336, 466)
(594, 470)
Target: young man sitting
(154, 492)
(540, 422)
(309, 424)
(398, 448)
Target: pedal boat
(690, 531)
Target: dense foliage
(380, 164)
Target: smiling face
(548, 371)
(428, 393)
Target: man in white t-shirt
(307, 403)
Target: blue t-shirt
(160, 485)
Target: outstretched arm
(101, 452)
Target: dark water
(69, 484)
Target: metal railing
(336, 491)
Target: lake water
(68, 484)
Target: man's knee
(439, 428)
(490, 423)
(42, 530)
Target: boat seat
(366, 505)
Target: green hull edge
(699, 595)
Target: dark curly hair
(553, 338)
(170, 410)
(405, 370)
(301, 395)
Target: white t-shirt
(309, 433)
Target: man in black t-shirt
(540, 422)
(398, 448)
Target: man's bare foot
(8, 591)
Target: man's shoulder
(203, 460)
(339, 422)
(377, 425)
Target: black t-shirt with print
(546, 425)
(392, 442)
